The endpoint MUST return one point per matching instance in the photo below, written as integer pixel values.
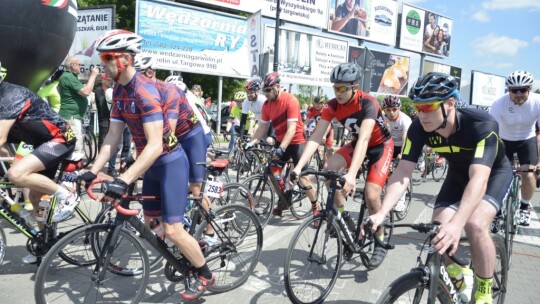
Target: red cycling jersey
(286, 108)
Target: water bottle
(462, 279)
(43, 208)
(157, 228)
(348, 220)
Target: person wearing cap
(313, 116)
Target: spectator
(73, 95)
(50, 93)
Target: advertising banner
(186, 39)
(91, 24)
(255, 40)
(305, 12)
(486, 88)
(426, 32)
(373, 20)
(389, 72)
(431, 66)
(305, 58)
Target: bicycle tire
(298, 263)
(3, 245)
(264, 197)
(238, 252)
(410, 288)
(509, 228)
(438, 171)
(65, 282)
(408, 198)
(87, 149)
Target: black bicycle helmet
(345, 72)
(391, 101)
(253, 85)
(319, 99)
(271, 79)
(433, 86)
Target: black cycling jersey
(35, 122)
(476, 141)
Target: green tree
(537, 91)
(306, 94)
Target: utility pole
(276, 37)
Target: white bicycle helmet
(143, 62)
(177, 81)
(119, 41)
(519, 79)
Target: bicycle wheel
(411, 288)
(300, 204)
(3, 245)
(438, 170)
(109, 215)
(61, 282)
(509, 225)
(408, 197)
(234, 193)
(264, 197)
(313, 261)
(240, 243)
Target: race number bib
(214, 189)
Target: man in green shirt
(73, 94)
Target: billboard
(305, 58)
(486, 88)
(389, 72)
(91, 24)
(424, 31)
(373, 20)
(184, 38)
(305, 12)
(432, 66)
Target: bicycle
(264, 187)
(90, 144)
(315, 253)
(39, 242)
(429, 281)
(121, 269)
(408, 194)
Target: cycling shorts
(195, 146)
(293, 152)
(51, 154)
(379, 160)
(454, 185)
(527, 150)
(169, 181)
(397, 151)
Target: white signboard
(305, 58)
(184, 38)
(486, 88)
(374, 20)
(91, 24)
(255, 41)
(305, 12)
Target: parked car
(383, 19)
(224, 115)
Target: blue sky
(492, 36)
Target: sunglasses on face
(342, 89)
(268, 90)
(106, 57)
(428, 107)
(519, 90)
(391, 109)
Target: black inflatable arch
(35, 37)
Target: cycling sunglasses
(519, 90)
(342, 89)
(427, 107)
(391, 109)
(106, 57)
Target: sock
(204, 272)
(483, 290)
(61, 193)
(381, 237)
(341, 209)
(524, 204)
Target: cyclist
(399, 123)
(253, 104)
(517, 112)
(282, 111)
(478, 177)
(137, 103)
(235, 115)
(361, 114)
(313, 116)
(24, 116)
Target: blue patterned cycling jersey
(139, 102)
(177, 106)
